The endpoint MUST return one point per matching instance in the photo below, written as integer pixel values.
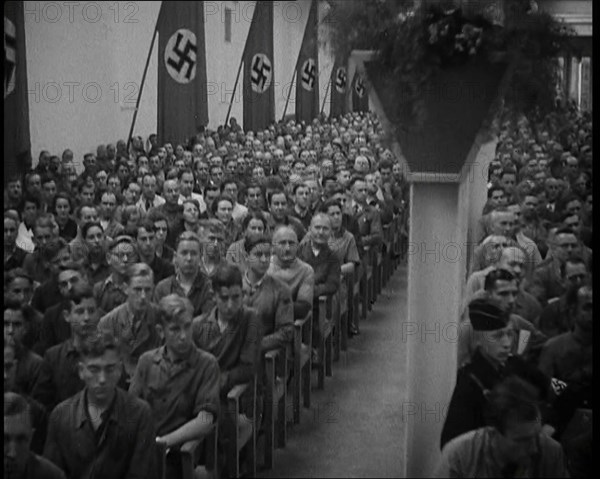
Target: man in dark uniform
(491, 362)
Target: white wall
(98, 54)
(289, 21)
(84, 67)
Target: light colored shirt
(473, 455)
(25, 238)
(239, 212)
(299, 277)
(194, 196)
(157, 201)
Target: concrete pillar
(435, 271)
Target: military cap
(487, 315)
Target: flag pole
(235, 85)
(290, 91)
(137, 103)
(241, 63)
(327, 91)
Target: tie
(148, 205)
(356, 209)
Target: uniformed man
(491, 362)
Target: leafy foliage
(414, 44)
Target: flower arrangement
(416, 43)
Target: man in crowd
(180, 382)
(292, 271)
(134, 321)
(187, 281)
(512, 445)
(494, 335)
(19, 459)
(112, 431)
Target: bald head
(285, 243)
(513, 259)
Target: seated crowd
(158, 278)
(527, 312)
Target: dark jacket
(125, 450)
(467, 409)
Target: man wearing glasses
(111, 292)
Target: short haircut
(55, 246)
(15, 404)
(137, 270)
(226, 276)
(499, 274)
(271, 194)
(172, 307)
(494, 188)
(251, 243)
(80, 292)
(257, 215)
(81, 207)
(215, 204)
(298, 185)
(385, 165)
(229, 181)
(97, 344)
(565, 231)
(192, 201)
(184, 171)
(147, 224)
(211, 187)
(354, 179)
(514, 398)
(573, 260)
(155, 216)
(128, 212)
(274, 183)
(12, 302)
(212, 225)
(44, 221)
(27, 198)
(328, 204)
(188, 236)
(87, 226)
(74, 266)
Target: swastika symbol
(359, 87)
(10, 56)
(309, 74)
(180, 56)
(260, 73)
(340, 80)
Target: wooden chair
(274, 405)
(302, 364)
(377, 272)
(191, 455)
(341, 315)
(161, 460)
(325, 347)
(388, 240)
(240, 435)
(369, 262)
(354, 296)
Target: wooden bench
(302, 364)
(274, 402)
(241, 435)
(325, 346)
